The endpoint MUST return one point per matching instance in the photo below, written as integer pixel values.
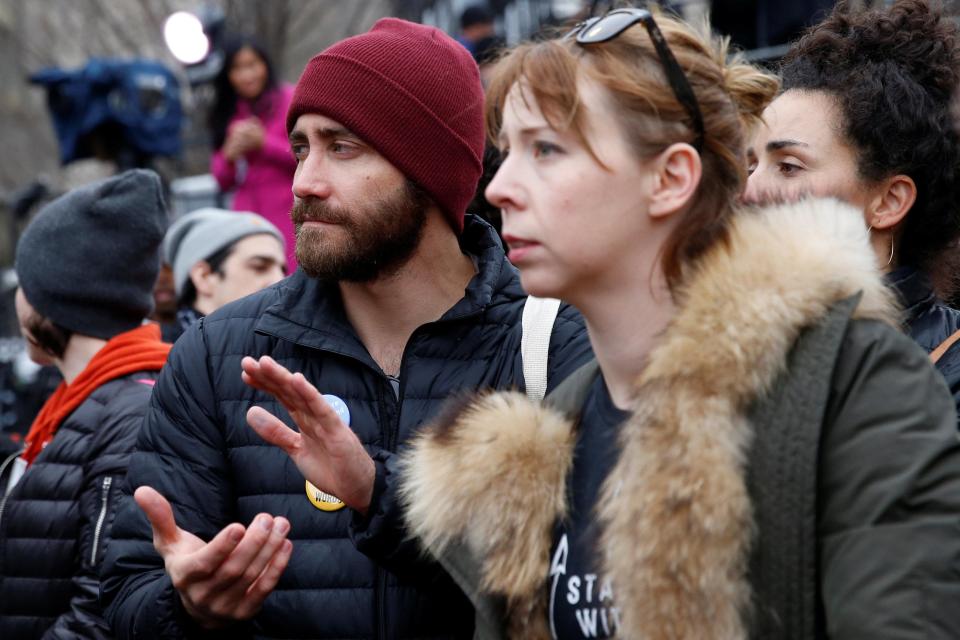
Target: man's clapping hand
(228, 578)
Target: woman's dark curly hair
(893, 73)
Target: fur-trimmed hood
(675, 511)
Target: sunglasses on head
(610, 25)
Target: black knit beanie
(89, 259)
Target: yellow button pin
(323, 500)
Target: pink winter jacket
(263, 182)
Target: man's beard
(378, 237)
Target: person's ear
(892, 202)
(678, 170)
(202, 277)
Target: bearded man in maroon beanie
(263, 508)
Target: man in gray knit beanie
(219, 256)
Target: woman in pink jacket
(250, 137)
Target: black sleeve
(104, 471)
(889, 487)
(381, 535)
(181, 454)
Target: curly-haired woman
(865, 117)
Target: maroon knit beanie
(414, 94)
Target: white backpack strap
(537, 325)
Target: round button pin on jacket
(321, 499)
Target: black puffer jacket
(56, 522)
(929, 321)
(198, 451)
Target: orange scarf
(136, 350)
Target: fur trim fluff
(508, 459)
(675, 511)
(686, 524)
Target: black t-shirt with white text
(581, 599)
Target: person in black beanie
(86, 267)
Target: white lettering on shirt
(586, 589)
(587, 619)
(573, 589)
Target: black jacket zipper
(390, 444)
(98, 530)
(393, 402)
(3, 468)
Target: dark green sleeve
(889, 493)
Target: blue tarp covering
(138, 100)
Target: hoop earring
(890, 259)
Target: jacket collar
(310, 312)
(676, 529)
(913, 289)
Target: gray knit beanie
(89, 259)
(199, 234)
